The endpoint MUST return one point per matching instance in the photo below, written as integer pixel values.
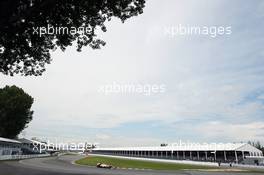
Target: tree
(163, 144)
(257, 144)
(24, 52)
(15, 111)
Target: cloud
(102, 137)
(207, 79)
(232, 132)
(261, 97)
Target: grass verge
(139, 164)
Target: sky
(214, 85)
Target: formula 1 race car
(102, 165)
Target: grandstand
(230, 152)
(20, 146)
(9, 147)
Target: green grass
(140, 164)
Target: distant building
(20, 147)
(9, 147)
(232, 152)
(29, 146)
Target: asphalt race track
(63, 166)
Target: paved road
(63, 166)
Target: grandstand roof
(8, 140)
(30, 141)
(191, 147)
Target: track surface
(63, 166)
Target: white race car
(102, 165)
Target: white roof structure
(9, 140)
(20, 141)
(30, 141)
(190, 147)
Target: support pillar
(225, 155)
(215, 155)
(205, 155)
(236, 157)
(198, 157)
(183, 154)
(178, 155)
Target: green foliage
(23, 52)
(15, 111)
(257, 144)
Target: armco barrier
(18, 157)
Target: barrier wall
(18, 157)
